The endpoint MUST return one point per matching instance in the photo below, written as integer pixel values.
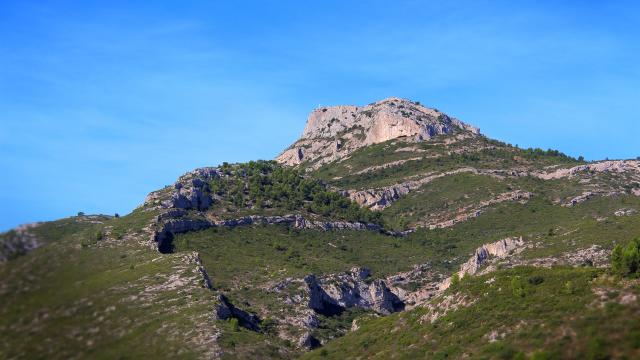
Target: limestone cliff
(335, 132)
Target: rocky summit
(334, 132)
(390, 230)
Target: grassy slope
(79, 297)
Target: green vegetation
(625, 260)
(259, 185)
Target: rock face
(498, 249)
(330, 295)
(334, 132)
(191, 191)
(225, 310)
(338, 292)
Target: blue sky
(101, 104)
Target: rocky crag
(334, 132)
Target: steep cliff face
(334, 132)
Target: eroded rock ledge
(176, 222)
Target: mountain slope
(354, 240)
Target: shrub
(235, 324)
(455, 280)
(625, 261)
(517, 287)
(536, 280)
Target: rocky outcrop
(609, 166)
(17, 242)
(335, 132)
(579, 199)
(625, 212)
(330, 295)
(191, 191)
(498, 249)
(224, 310)
(352, 289)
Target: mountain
(386, 231)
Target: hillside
(390, 230)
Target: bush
(536, 280)
(625, 261)
(517, 287)
(235, 324)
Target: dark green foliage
(267, 185)
(537, 152)
(625, 261)
(536, 280)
